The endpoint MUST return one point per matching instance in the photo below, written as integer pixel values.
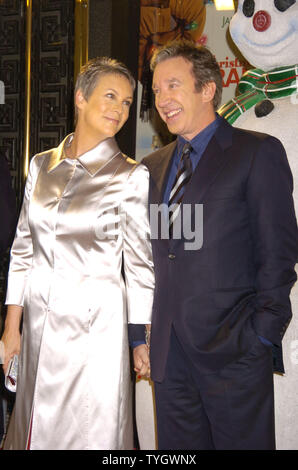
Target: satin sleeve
(21, 251)
(137, 252)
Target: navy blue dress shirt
(199, 144)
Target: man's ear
(208, 92)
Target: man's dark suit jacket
(7, 206)
(237, 286)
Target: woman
(84, 214)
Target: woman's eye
(127, 103)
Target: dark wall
(12, 72)
(51, 115)
(113, 31)
(100, 28)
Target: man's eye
(110, 95)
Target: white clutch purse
(12, 374)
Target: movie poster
(164, 20)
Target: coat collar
(93, 160)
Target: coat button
(171, 256)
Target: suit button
(171, 256)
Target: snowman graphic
(266, 34)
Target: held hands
(141, 360)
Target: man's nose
(162, 98)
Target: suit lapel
(205, 173)
(159, 171)
(159, 164)
(210, 165)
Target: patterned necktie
(182, 178)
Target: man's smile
(174, 112)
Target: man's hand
(141, 360)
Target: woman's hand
(11, 338)
(141, 360)
(11, 344)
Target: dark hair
(205, 68)
(91, 72)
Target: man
(221, 302)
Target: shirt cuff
(265, 341)
(134, 344)
(136, 334)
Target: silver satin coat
(79, 219)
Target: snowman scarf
(256, 86)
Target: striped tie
(182, 178)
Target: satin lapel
(159, 171)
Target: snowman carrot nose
(261, 20)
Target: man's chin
(174, 129)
